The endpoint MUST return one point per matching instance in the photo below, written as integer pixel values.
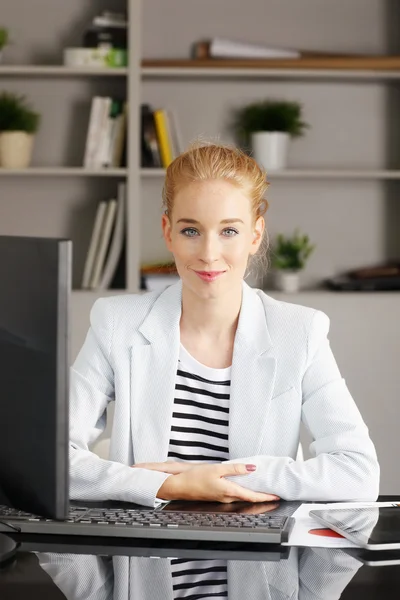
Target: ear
(258, 232)
(166, 229)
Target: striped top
(199, 579)
(200, 419)
(199, 433)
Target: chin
(210, 291)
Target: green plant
(16, 114)
(269, 115)
(4, 39)
(291, 253)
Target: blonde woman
(211, 379)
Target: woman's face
(211, 234)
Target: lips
(209, 275)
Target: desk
(54, 569)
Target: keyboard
(149, 523)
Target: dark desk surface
(87, 569)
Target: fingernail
(251, 467)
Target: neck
(216, 318)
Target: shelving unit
(166, 82)
(57, 177)
(342, 185)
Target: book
(150, 152)
(174, 133)
(118, 138)
(163, 138)
(105, 235)
(93, 131)
(117, 241)
(97, 139)
(94, 243)
(225, 48)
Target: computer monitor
(35, 283)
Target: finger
(228, 469)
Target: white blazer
(307, 574)
(283, 372)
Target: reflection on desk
(305, 574)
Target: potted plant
(4, 39)
(18, 124)
(266, 127)
(289, 256)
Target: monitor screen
(35, 282)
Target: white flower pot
(287, 281)
(15, 149)
(270, 149)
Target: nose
(209, 252)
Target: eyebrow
(224, 221)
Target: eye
(189, 232)
(230, 232)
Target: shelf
(59, 71)
(309, 174)
(332, 68)
(63, 172)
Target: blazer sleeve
(92, 389)
(344, 464)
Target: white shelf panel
(63, 172)
(309, 174)
(271, 74)
(59, 71)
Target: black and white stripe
(199, 579)
(200, 418)
(199, 433)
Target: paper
(309, 532)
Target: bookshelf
(58, 184)
(341, 187)
(62, 95)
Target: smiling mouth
(209, 275)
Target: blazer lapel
(252, 379)
(153, 374)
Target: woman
(211, 369)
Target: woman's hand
(173, 468)
(207, 482)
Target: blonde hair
(203, 161)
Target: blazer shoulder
(126, 310)
(290, 317)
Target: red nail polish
(251, 467)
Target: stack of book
(104, 264)
(106, 136)
(157, 276)
(161, 140)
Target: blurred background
(97, 97)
